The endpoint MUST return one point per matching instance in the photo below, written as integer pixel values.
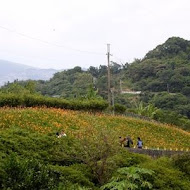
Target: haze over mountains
(10, 71)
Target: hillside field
(77, 124)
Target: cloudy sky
(65, 33)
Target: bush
(75, 174)
(26, 174)
(130, 178)
(127, 159)
(11, 100)
(166, 175)
(28, 100)
(119, 108)
(173, 118)
(183, 163)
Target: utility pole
(109, 77)
(113, 103)
(120, 87)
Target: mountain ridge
(10, 71)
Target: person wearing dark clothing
(139, 143)
(129, 142)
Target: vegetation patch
(90, 156)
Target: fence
(158, 153)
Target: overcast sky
(65, 33)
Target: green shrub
(73, 174)
(130, 178)
(67, 185)
(11, 100)
(29, 100)
(183, 163)
(118, 108)
(166, 175)
(127, 159)
(26, 174)
(173, 118)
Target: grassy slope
(46, 122)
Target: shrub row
(14, 100)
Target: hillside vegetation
(79, 124)
(162, 76)
(90, 156)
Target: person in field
(122, 141)
(61, 134)
(139, 143)
(128, 142)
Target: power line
(50, 43)
(119, 59)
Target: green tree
(92, 93)
(165, 77)
(31, 86)
(93, 71)
(95, 150)
(15, 88)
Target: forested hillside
(166, 68)
(35, 114)
(162, 76)
(75, 82)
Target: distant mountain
(10, 71)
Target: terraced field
(47, 121)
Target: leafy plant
(149, 111)
(26, 174)
(183, 163)
(166, 175)
(118, 108)
(130, 178)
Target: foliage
(150, 110)
(118, 108)
(169, 101)
(92, 93)
(130, 178)
(164, 75)
(88, 157)
(172, 47)
(27, 87)
(28, 100)
(51, 120)
(95, 148)
(72, 83)
(78, 174)
(26, 174)
(183, 163)
(70, 186)
(166, 175)
(173, 118)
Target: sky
(62, 34)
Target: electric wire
(50, 43)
